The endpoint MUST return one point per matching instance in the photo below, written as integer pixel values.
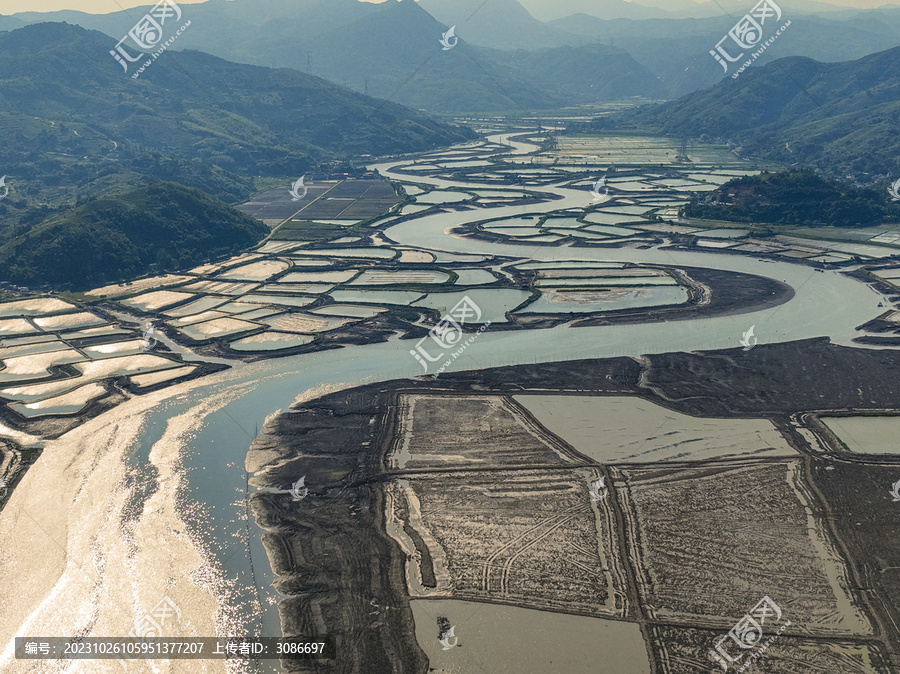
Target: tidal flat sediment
(342, 576)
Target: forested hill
(84, 140)
(77, 122)
(794, 198)
(163, 227)
(841, 117)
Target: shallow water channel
(825, 304)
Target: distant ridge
(841, 117)
(191, 117)
(392, 50)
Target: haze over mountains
(85, 129)
(601, 50)
(841, 117)
(393, 51)
(81, 128)
(677, 52)
(188, 108)
(657, 9)
(506, 61)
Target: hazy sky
(105, 6)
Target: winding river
(154, 488)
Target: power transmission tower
(682, 156)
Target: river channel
(197, 434)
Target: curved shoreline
(274, 384)
(297, 434)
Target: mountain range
(80, 129)
(81, 125)
(677, 52)
(842, 118)
(659, 9)
(392, 50)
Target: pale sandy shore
(78, 557)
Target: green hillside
(840, 117)
(80, 126)
(163, 227)
(793, 198)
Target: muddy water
(512, 640)
(169, 468)
(867, 435)
(630, 429)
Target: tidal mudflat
(868, 434)
(491, 489)
(500, 529)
